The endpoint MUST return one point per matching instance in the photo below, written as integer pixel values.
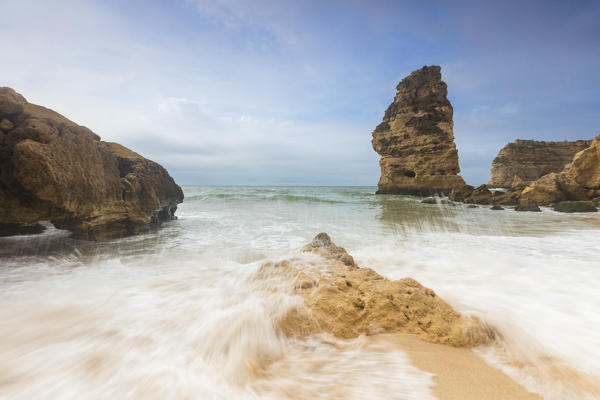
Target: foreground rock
(348, 301)
(415, 138)
(579, 180)
(524, 161)
(53, 169)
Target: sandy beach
(460, 374)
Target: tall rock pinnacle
(415, 139)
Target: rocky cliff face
(529, 160)
(579, 180)
(53, 169)
(415, 139)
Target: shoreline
(460, 374)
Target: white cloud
(267, 86)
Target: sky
(267, 92)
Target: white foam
(176, 313)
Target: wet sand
(460, 374)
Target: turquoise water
(177, 312)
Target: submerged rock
(415, 138)
(11, 229)
(348, 301)
(497, 208)
(433, 200)
(53, 169)
(527, 206)
(575, 206)
(524, 161)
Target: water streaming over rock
(178, 312)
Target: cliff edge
(579, 180)
(525, 161)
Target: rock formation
(415, 139)
(575, 206)
(525, 161)
(579, 180)
(348, 301)
(53, 169)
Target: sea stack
(52, 169)
(415, 138)
(524, 161)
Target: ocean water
(178, 312)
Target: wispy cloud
(224, 91)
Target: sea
(180, 313)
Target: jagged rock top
(423, 91)
(53, 169)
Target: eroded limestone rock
(415, 138)
(347, 301)
(579, 180)
(524, 161)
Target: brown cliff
(347, 301)
(579, 180)
(53, 169)
(415, 138)
(529, 160)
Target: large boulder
(461, 193)
(347, 301)
(524, 161)
(53, 169)
(415, 138)
(480, 195)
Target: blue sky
(288, 92)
